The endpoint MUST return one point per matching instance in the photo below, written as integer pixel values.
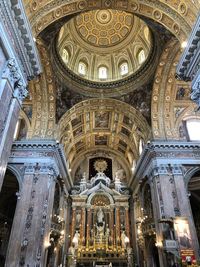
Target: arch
(186, 114)
(164, 102)
(124, 68)
(102, 72)
(141, 56)
(107, 153)
(99, 193)
(43, 94)
(171, 16)
(16, 173)
(42, 14)
(65, 55)
(9, 196)
(82, 68)
(193, 128)
(188, 175)
(75, 134)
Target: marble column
(135, 235)
(160, 210)
(29, 238)
(73, 225)
(12, 92)
(89, 217)
(127, 225)
(111, 225)
(82, 228)
(118, 234)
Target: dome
(104, 45)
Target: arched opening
(194, 193)
(193, 129)
(65, 55)
(82, 68)
(103, 72)
(141, 56)
(123, 68)
(8, 201)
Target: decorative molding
(15, 22)
(188, 68)
(157, 156)
(41, 156)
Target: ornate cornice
(15, 23)
(188, 61)
(47, 154)
(188, 68)
(165, 157)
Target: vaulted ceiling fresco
(88, 113)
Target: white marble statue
(100, 229)
(76, 239)
(124, 240)
(100, 216)
(78, 218)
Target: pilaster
(30, 232)
(14, 90)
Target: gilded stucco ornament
(170, 97)
(177, 16)
(102, 125)
(107, 38)
(100, 165)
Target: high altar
(100, 231)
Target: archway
(8, 201)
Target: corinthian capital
(12, 73)
(20, 90)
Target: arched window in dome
(82, 68)
(65, 55)
(193, 129)
(123, 68)
(103, 72)
(141, 56)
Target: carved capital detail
(41, 168)
(12, 73)
(176, 169)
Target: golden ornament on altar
(100, 165)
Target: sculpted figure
(100, 216)
(75, 239)
(124, 239)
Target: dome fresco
(104, 45)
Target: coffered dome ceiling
(104, 28)
(104, 45)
